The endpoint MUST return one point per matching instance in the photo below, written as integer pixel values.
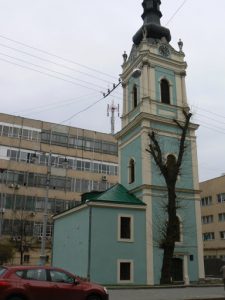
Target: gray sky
(95, 34)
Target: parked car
(37, 282)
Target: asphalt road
(168, 293)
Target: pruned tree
(170, 170)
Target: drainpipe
(89, 244)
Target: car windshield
(2, 270)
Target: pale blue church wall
(188, 246)
(132, 150)
(161, 73)
(106, 250)
(70, 242)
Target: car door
(36, 285)
(64, 286)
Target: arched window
(131, 171)
(177, 229)
(135, 96)
(165, 91)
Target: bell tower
(154, 95)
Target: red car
(44, 283)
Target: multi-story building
(39, 161)
(213, 217)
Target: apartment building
(41, 160)
(213, 217)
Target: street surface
(168, 293)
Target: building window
(131, 171)
(125, 228)
(165, 91)
(207, 219)
(205, 201)
(221, 217)
(208, 236)
(221, 198)
(177, 228)
(135, 96)
(125, 271)
(222, 235)
(26, 258)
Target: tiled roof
(116, 194)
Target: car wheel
(94, 297)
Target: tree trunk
(170, 238)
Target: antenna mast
(112, 109)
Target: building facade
(38, 160)
(213, 217)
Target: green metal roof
(116, 194)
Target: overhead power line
(176, 12)
(93, 104)
(56, 56)
(47, 69)
(52, 62)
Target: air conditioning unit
(18, 238)
(11, 186)
(2, 210)
(104, 178)
(32, 214)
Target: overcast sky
(82, 44)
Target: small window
(131, 171)
(222, 235)
(177, 230)
(135, 96)
(165, 91)
(125, 228)
(125, 272)
(26, 258)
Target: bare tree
(170, 169)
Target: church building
(116, 235)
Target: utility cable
(176, 12)
(47, 74)
(52, 62)
(47, 69)
(56, 56)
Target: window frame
(125, 261)
(165, 91)
(131, 238)
(131, 171)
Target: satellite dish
(136, 73)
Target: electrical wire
(83, 110)
(47, 74)
(176, 12)
(52, 62)
(47, 69)
(56, 56)
(55, 105)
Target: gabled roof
(116, 194)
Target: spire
(152, 27)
